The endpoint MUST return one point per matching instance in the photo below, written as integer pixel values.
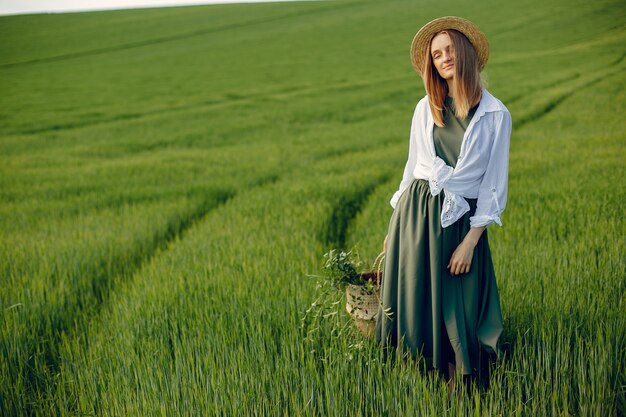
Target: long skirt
(424, 309)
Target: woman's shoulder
(500, 115)
(422, 104)
(421, 113)
(492, 103)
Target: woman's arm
(461, 259)
(493, 189)
(491, 196)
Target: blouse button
(493, 190)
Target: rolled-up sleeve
(407, 176)
(493, 189)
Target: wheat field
(170, 179)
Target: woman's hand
(461, 259)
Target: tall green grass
(170, 179)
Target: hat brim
(421, 41)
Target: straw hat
(421, 41)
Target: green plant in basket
(343, 268)
(345, 271)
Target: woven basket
(362, 306)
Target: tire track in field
(232, 99)
(44, 345)
(557, 97)
(59, 323)
(173, 38)
(512, 100)
(613, 34)
(208, 104)
(344, 211)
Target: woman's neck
(450, 87)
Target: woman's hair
(467, 81)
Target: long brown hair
(467, 81)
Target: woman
(439, 297)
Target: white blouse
(482, 168)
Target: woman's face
(442, 53)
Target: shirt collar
(488, 104)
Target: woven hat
(421, 41)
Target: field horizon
(170, 179)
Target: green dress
(443, 318)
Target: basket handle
(378, 265)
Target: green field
(170, 178)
